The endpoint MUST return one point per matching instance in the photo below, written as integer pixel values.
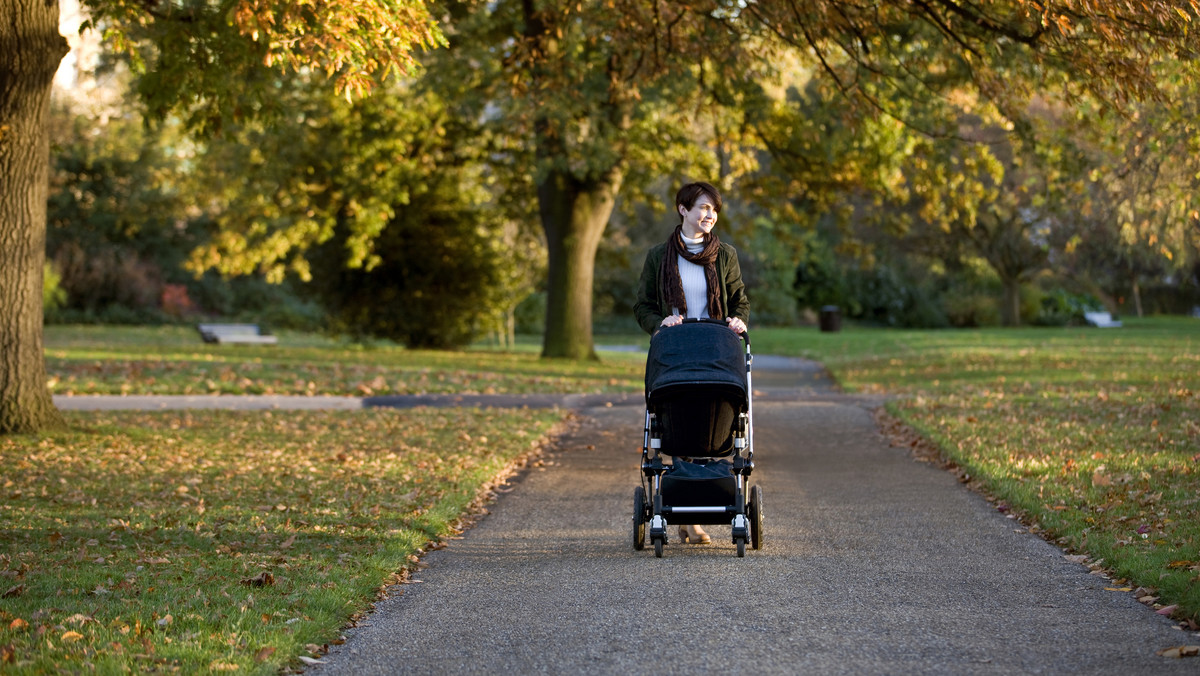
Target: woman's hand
(672, 320)
(736, 324)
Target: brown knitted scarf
(671, 283)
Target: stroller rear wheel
(756, 518)
(639, 518)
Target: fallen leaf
(288, 542)
(71, 636)
(1076, 558)
(1166, 610)
(13, 592)
(165, 620)
(1120, 589)
(263, 579)
(1180, 651)
(223, 666)
(18, 624)
(264, 654)
(79, 618)
(310, 660)
(8, 653)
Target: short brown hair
(688, 194)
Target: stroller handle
(745, 335)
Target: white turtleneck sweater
(695, 288)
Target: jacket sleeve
(739, 303)
(648, 309)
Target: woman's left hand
(736, 324)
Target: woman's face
(700, 219)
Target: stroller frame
(652, 510)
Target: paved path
(874, 564)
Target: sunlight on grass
(180, 541)
(173, 360)
(1093, 435)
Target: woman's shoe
(694, 535)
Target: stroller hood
(691, 354)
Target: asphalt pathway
(873, 564)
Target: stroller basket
(692, 485)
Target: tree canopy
(812, 110)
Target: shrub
(54, 297)
(972, 309)
(1058, 307)
(175, 301)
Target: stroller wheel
(741, 547)
(658, 547)
(756, 518)
(639, 518)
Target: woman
(692, 274)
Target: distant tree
(381, 206)
(214, 61)
(1136, 216)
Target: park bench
(1102, 320)
(234, 333)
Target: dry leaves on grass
(263, 579)
(1180, 651)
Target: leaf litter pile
(227, 541)
(1091, 438)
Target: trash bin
(831, 319)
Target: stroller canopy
(695, 353)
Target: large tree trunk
(574, 214)
(30, 51)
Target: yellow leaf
(72, 636)
(1120, 589)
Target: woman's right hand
(672, 320)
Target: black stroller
(698, 418)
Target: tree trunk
(32, 49)
(574, 214)
(1137, 297)
(1010, 311)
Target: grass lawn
(1091, 435)
(222, 541)
(210, 541)
(173, 360)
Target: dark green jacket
(651, 306)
